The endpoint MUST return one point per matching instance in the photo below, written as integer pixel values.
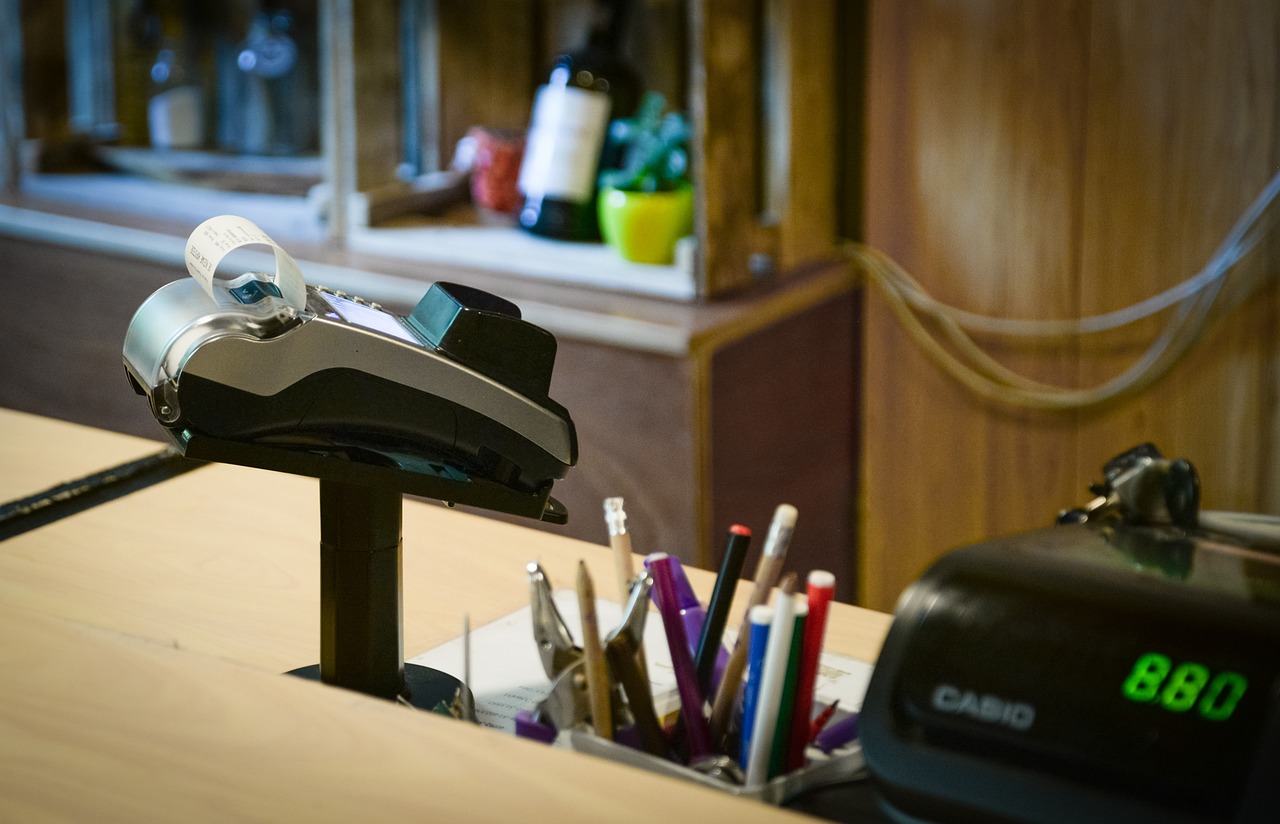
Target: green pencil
(782, 732)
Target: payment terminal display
(362, 314)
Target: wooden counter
(140, 643)
(28, 465)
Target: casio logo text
(990, 709)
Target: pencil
(776, 655)
(786, 703)
(598, 691)
(735, 552)
(615, 518)
(821, 589)
(767, 573)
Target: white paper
(219, 236)
(507, 674)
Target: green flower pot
(644, 226)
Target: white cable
(1193, 302)
(1237, 244)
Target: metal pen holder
(842, 765)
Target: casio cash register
(450, 402)
(1122, 667)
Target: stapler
(455, 394)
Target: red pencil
(821, 589)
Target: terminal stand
(361, 504)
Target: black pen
(735, 552)
(768, 571)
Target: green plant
(654, 148)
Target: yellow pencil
(597, 670)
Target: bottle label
(565, 138)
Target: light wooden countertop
(140, 642)
(37, 453)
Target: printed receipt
(507, 674)
(218, 236)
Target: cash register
(1120, 667)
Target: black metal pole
(361, 641)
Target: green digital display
(1156, 679)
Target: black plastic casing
(1075, 594)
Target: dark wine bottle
(571, 114)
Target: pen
(615, 518)
(838, 734)
(771, 683)
(760, 618)
(695, 723)
(821, 589)
(598, 691)
(786, 703)
(709, 647)
(767, 572)
(692, 614)
(824, 717)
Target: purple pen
(692, 614)
(691, 712)
(838, 734)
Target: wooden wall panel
(972, 183)
(1183, 133)
(725, 110)
(633, 410)
(782, 402)
(1050, 160)
(62, 352)
(634, 416)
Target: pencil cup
(844, 764)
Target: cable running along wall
(1192, 304)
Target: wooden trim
(764, 127)
(808, 227)
(699, 366)
(725, 110)
(833, 278)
